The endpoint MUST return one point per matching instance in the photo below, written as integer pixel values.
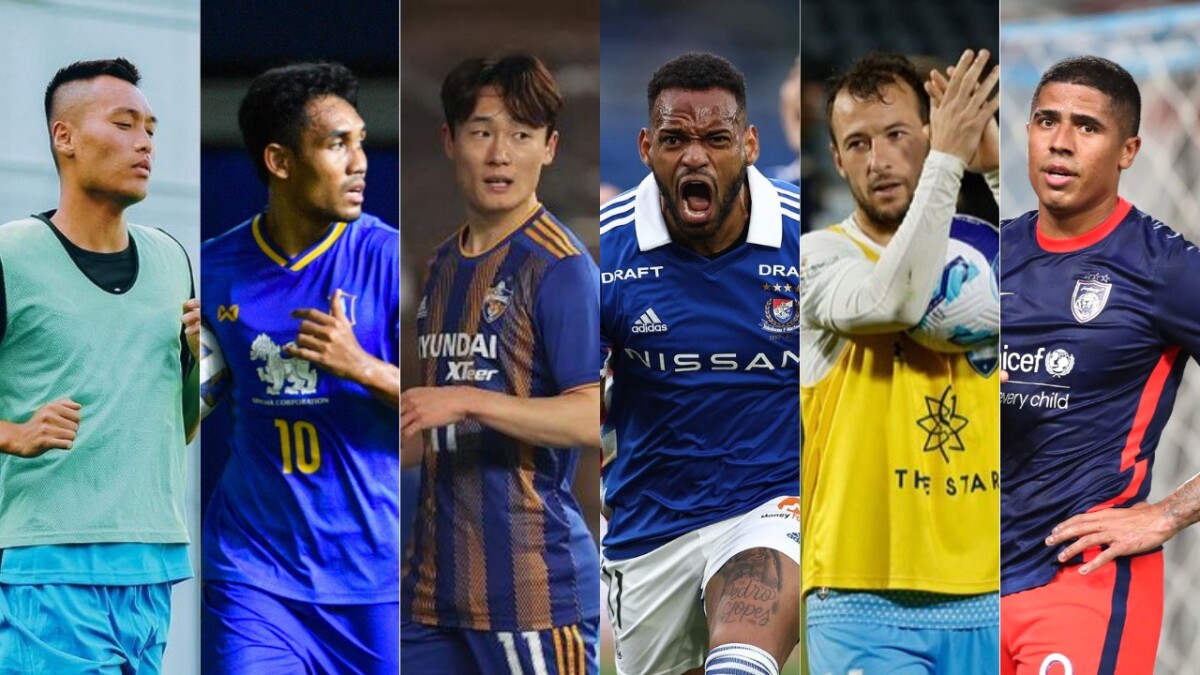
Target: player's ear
(1129, 151)
(278, 160)
(62, 141)
(750, 144)
(644, 146)
(551, 149)
(447, 136)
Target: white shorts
(656, 600)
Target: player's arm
(327, 340)
(191, 379)
(570, 419)
(851, 295)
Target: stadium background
(1159, 44)
(760, 37)
(37, 37)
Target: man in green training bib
(98, 396)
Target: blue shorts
(72, 629)
(902, 633)
(249, 631)
(567, 650)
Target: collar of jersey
(462, 233)
(766, 220)
(304, 257)
(1088, 238)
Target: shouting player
(92, 397)
(1100, 316)
(701, 439)
(502, 573)
(301, 537)
(901, 455)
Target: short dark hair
(866, 78)
(275, 109)
(1104, 76)
(528, 89)
(119, 68)
(697, 71)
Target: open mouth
(1058, 176)
(697, 197)
(355, 192)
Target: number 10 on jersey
(299, 445)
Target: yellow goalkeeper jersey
(901, 468)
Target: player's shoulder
(618, 213)
(789, 206)
(1160, 238)
(833, 240)
(1025, 221)
(233, 239)
(15, 230)
(373, 233)
(546, 237)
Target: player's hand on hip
(963, 107)
(1121, 532)
(191, 325)
(327, 340)
(424, 408)
(53, 426)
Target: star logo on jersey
(943, 423)
(781, 316)
(282, 374)
(229, 313)
(497, 299)
(1089, 298)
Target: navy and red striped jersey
(499, 541)
(1096, 332)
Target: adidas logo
(649, 322)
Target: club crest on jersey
(497, 300)
(781, 316)
(348, 303)
(282, 374)
(1089, 299)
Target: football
(214, 374)
(964, 313)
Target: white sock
(739, 659)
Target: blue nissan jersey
(703, 417)
(308, 506)
(1096, 333)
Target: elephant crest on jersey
(293, 376)
(1089, 299)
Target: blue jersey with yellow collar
(703, 418)
(308, 505)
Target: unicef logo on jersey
(282, 374)
(1059, 363)
(781, 316)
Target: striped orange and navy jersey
(1097, 331)
(499, 542)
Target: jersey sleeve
(849, 294)
(1177, 298)
(567, 316)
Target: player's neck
(1075, 224)
(484, 230)
(732, 230)
(291, 229)
(877, 232)
(91, 222)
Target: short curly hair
(275, 109)
(697, 71)
(866, 78)
(1105, 76)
